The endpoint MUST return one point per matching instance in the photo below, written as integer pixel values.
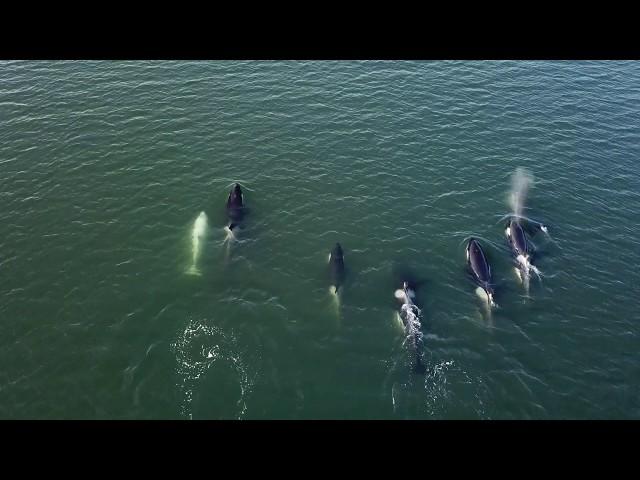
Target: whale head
(235, 200)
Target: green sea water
(105, 166)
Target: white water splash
(196, 349)
(230, 235)
(411, 316)
(526, 268)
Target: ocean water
(105, 166)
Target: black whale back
(337, 265)
(235, 197)
(518, 239)
(235, 204)
(478, 261)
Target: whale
(480, 268)
(197, 237)
(410, 316)
(336, 267)
(520, 248)
(235, 207)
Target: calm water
(104, 167)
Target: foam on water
(196, 349)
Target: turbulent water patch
(201, 347)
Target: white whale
(197, 237)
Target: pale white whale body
(197, 237)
